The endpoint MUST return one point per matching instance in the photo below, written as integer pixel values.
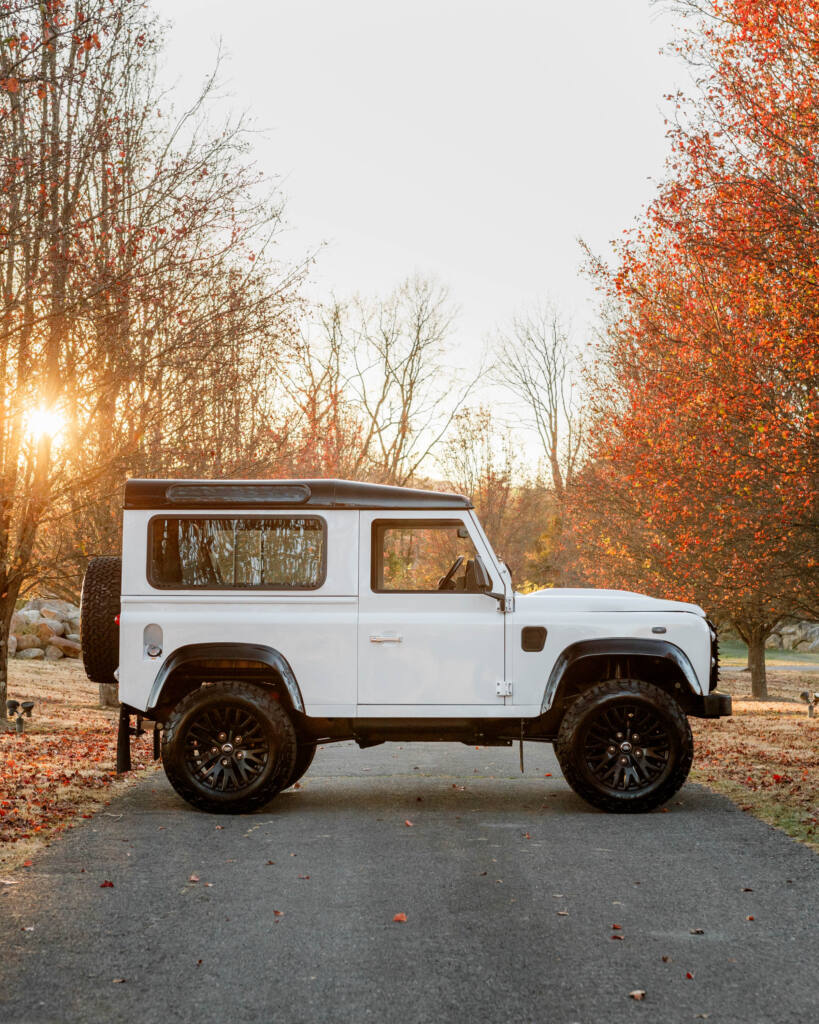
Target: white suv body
(335, 594)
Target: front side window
(423, 556)
(282, 553)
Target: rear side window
(281, 553)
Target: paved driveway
(511, 887)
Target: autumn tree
(140, 311)
(704, 472)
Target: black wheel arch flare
(260, 653)
(624, 647)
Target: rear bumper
(712, 705)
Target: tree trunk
(109, 695)
(756, 663)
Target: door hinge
(503, 688)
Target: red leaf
(400, 918)
(106, 884)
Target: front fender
(219, 651)
(617, 647)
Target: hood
(586, 599)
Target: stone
(17, 622)
(73, 623)
(70, 648)
(774, 642)
(27, 642)
(48, 628)
(12, 645)
(31, 654)
(62, 610)
(73, 636)
(53, 653)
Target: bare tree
(535, 362)
(371, 384)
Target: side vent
(533, 638)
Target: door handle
(386, 639)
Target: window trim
(415, 522)
(232, 588)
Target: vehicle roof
(275, 494)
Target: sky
(474, 140)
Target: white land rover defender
(253, 620)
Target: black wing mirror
(485, 582)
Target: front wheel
(625, 746)
(228, 747)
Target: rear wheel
(625, 746)
(228, 747)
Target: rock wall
(795, 636)
(45, 629)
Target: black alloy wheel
(625, 745)
(228, 747)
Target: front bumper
(712, 705)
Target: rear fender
(227, 652)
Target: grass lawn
(765, 757)
(736, 653)
(61, 769)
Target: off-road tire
(588, 716)
(231, 698)
(304, 758)
(99, 607)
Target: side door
(427, 634)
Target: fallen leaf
(27, 863)
(8, 881)
(689, 975)
(563, 913)
(118, 981)
(526, 835)
(271, 862)
(666, 959)
(208, 885)
(746, 889)
(616, 927)
(218, 829)
(106, 884)
(408, 823)
(304, 877)
(278, 913)
(400, 918)
(548, 775)
(750, 917)
(194, 878)
(619, 937)
(696, 931)
(29, 928)
(638, 994)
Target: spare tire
(99, 623)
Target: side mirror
(485, 582)
(481, 575)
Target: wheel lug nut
(214, 750)
(619, 735)
(225, 761)
(636, 736)
(239, 756)
(623, 760)
(638, 753)
(223, 736)
(238, 739)
(612, 750)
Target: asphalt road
(511, 887)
